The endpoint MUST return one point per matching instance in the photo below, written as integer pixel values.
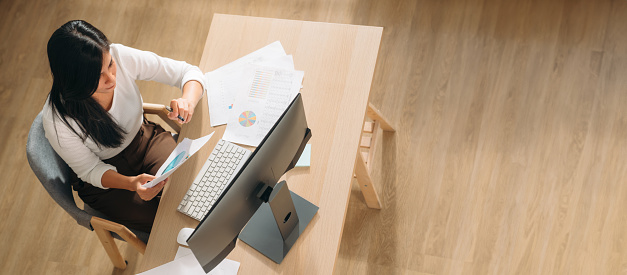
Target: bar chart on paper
(261, 84)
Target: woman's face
(107, 74)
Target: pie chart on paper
(247, 118)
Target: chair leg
(110, 247)
(103, 230)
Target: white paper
(182, 251)
(225, 267)
(221, 83)
(305, 157)
(260, 102)
(181, 153)
(285, 62)
(186, 264)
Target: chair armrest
(126, 234)
(103, 229)
(160, 110)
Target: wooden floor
(510, 155)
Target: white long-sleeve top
(85, 158)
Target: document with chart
(260, 101)
(180, 154)
(222, 83)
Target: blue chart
(247, 118)
(175, 162)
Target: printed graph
(261, 84)
(247, 118)
(176, 161)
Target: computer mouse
(184, 235)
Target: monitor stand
(276, 225)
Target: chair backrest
(54, 174)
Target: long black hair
(75, 53)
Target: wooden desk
(339, 62)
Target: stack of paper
(251, 93)
(186, 264)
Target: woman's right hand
(147, 193)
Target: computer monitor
(274, 216)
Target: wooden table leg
(365, 183)
(364, 163)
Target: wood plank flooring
(510, 154)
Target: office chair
(54, 175)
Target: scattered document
(225, 267)
(305, 157)
(186, 264)
(250, 93)
(260, 102)
(181, 153)
(222, 82)
(285, 62)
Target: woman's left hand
(183, 107)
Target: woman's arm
(71, 148)
(112, 179)
(90, 168)
(144, 65)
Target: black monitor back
(216, 234)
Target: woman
(94, 119)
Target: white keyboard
(225, 161)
